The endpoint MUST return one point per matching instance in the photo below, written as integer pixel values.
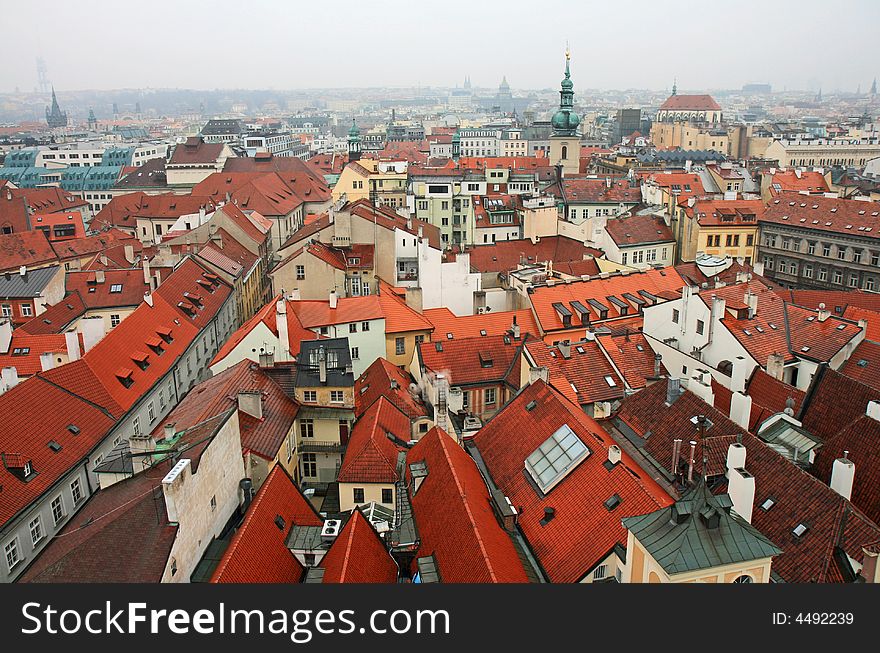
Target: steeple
(354, 142)
(93, 122)
(874, 87)
(674, 87)
(56, 117)
(565, 121)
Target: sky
(294, 44)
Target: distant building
(55, 117)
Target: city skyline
(616, 55)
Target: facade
(824, 152)
(721, 228)
(821, 242)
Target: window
(558, 455)
(841, 253)
(623, 257)
(116, 288)
(26, 310)
(309, 465)
(826, 250)
(213, 503)
(310, 396)
(136, 425)
(838, 276)
(57, 509)
(870, 283)
(162, 397)
(358, 494)
(811, 248)
(36, 529)
(12, 555)
(875, 259)
(151, 412)
(365, 326)
(700, 326)
(76, 491)
(490, 396)
(300, 272)
(465, 399)
(114, 320)
(307, 428)
(355, 353)
(745, 578)
(675, 315)
(600, 572)
(853, 281)
(387, 495)
(823, 274)
(336, 397)
(808, 271)
(6, 310)
(353, 327)
(399, 346)
(750, 240)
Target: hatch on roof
(555, 458)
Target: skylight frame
(556, 456)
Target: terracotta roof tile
(371, 455)
(358, 555)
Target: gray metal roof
(305, 538)
(698, 532)
(31, 284)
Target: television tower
(42, 76)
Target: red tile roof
(835, 401)
(632, 356)
(399, 317)
(386, 217)
(384, 380)
(580, 378)
(358, 555)
(583, 531)
(474, 361)
(690, 103)
(864, 364)
(805, 180)
(130, 292)
(258, 552)
(27, 429)
(317, 313)
(30, 248)
(824, 214)
(506, 255)
(728, 213)
(473, 326)
(264, 192)
(28, 364)
(654, 281)
(687, 183)
(195, 150)
(49, 200)
(596, 191)
(455, 519)
(296, 174)
(630, 230)
(371, 455)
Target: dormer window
(165, 334)
(124, 376)
(19, 466)
(141, 359)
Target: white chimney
(170, 430)
(736, 457)
(92, 330)
(47, 360)
(843, 472)
(171, 486)
(776, 366)
(9, 377)
(741, 488)
(614, 454)
(294, 295)
(536, 373)
(824, 313)
(5, 336)
(739, 373)
(71, 339)
(334, 298)
(322, 364)
(148, 278)
(22, 271)
(148, 298)
(873, 410)
(251, 403)
(741, 409)
(283, 332)
(129, 253)
(751, 300)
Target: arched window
(745, 578)
(564, 152)
(726, 368)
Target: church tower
(354, 142)
(565, 142)
(56, 117)
(93, 122)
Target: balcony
(319, 447)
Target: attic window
(612, 502)
(449, 336)
(124, 376)
(769, 502)
(483, 332)
(279, 522)
(116, 288)
(800, 530)
(165, 334)
(611, 382)
(580, 350)
(21, 351)
(438, 346)
(862, 363)
(141, 359)
(486, 359)
(555, 458)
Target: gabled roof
(455, 519)
(119, 287)
(805, 180)
(631, 355)
(690, 103)
(582, 530)
(196, 151)
(358, 555)
(583, 378)
(835, 400)
(399, 317)
(384, 380)
(824, 214)
(727, 213)
(506, 255)
(470, 361)
(265, 192)
(371, 455)
(50, 199)
(317, 313)
(863, 365)
(27, 430)
(596, 191)
(30, 248)
(57, 317)
(258, 552)
(25, 350)
(14, 285)
(630, 230)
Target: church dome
(354, 131)
(565, 120)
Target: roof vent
(73, 428)
(531, 405)
(54, 446)
(279, 522)
(612, 502)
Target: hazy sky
(97, 44)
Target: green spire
(565, 121)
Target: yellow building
(381, 182)
(698, 539)
(405, 326)
(718, 228)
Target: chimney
(414, 299)
(251, 403)
(741, 409)
(692, 460)
(614, 454)
(565, 349)
(171, 487)
(334, 298)
(873, 410)
(842, 474)
(22, 271)
(283, 332)
(9, 377)
(515, 329)
(738, 374)
(676, 454)
(148, 298)
(100, 277)
(322, 365)
(129, 253)
(71, 339)
(5, 336)
(870, 569)
(294, 295)
(673, 390)
(741, 488)
(92, 330)
(47, 361)
(169, 430)
(701, 386)
(267, 358)
(751, 300)
(542, 373)
(824, 313)
(775, 366)
(104, 260)
(658, 361)
(148, 277)
(736, 457)
(798, 173)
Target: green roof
(698, 532)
